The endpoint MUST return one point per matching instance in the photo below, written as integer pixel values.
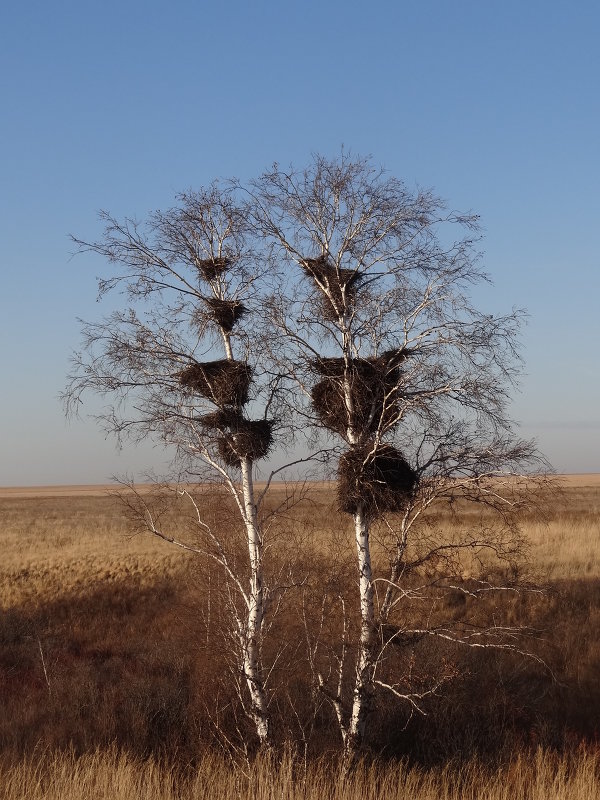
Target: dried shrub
(224, 382)
(381, 480)
(374, 388)
(211, 268)
(341, 284)
(225, 312)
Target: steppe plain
(104, 656)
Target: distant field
(81, 530)
(582, 480)
(107, 661)
(84, 490)
(95, 490)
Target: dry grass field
(107, 668)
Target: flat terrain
(580, 480)
(111, 657)
(84, 490)
(102, 490)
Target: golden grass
(81, 532)
(105, 652)
(565, 546)
(63, 544)
(113, 775)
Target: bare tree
(339, 303)
(191, 281)
(412, 382)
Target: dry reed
(113, 775)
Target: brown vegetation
(110, 665)
(114, 775)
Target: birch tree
(411, 383)
(333, 302)
(178, 365)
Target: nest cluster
(380, 479)
(223, 382)
(239, 437)
(211, 268)
(341, 285)
(373, 385)
(225, 313)
(226, 383)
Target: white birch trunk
(227, 345)
(361, 702)
(250, 629)
(363, 682)
(251, 635)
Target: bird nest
(239, 437)
(211, 268)
(384, 363)
(224, 382)
(225, 312)
(338, 286)
(380, 481)
(373, 387)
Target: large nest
(224, 382)
(211, 268)
(252, 439)
(382, 481)
(225, 312)
(339, 285)
(374, 389)
(239, 437)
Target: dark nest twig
(381, 481)
(239, 437)
(341, 285)
(373, 386)
(385, 364)
(221, 420)
(225, 312)
(225, 382)
(211, 268)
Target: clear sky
(118, 105)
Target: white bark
(227, 345)
(365, 660)
(251, 632)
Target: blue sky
(120, 105)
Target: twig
(44, 666)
